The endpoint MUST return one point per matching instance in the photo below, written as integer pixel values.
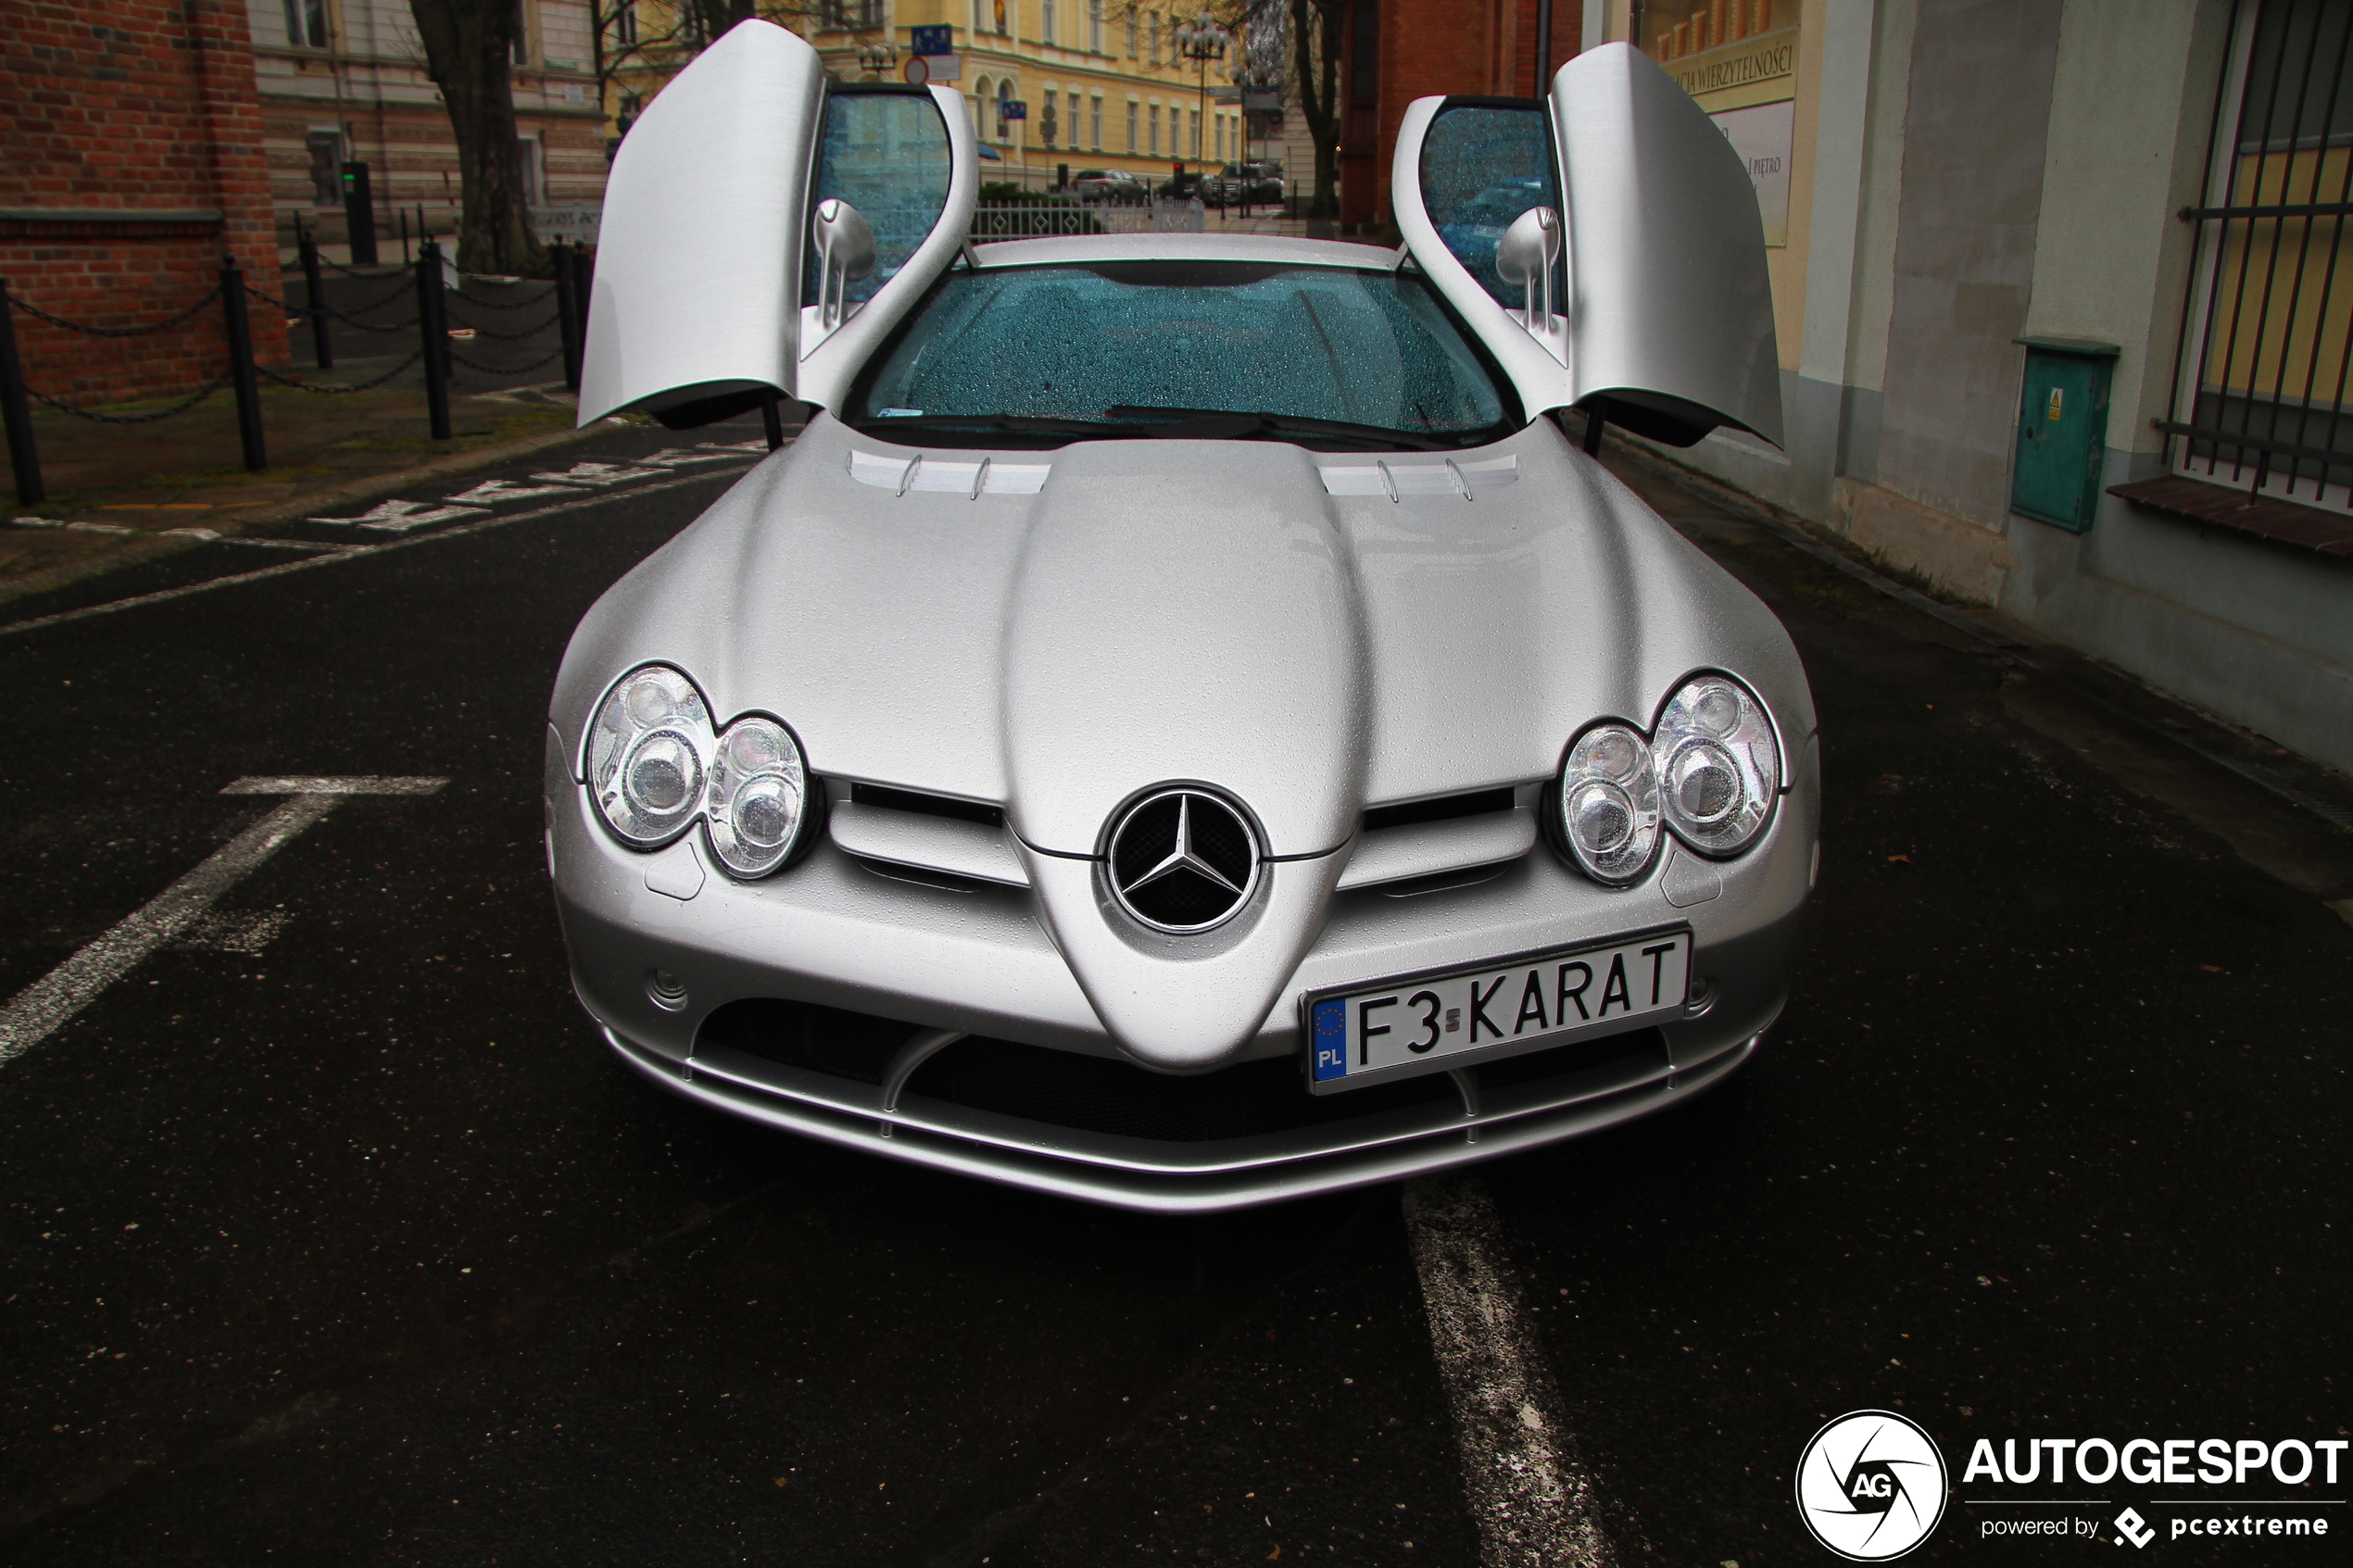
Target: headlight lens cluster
(655, 765)
(1708, 772)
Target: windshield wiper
(1227, 424)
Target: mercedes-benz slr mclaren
(1188, 721)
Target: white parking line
(1532, 1502)
(38, 1011)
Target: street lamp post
(1202, 41)
(877, 58)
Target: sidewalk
(122, 493)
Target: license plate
(1425, 1022)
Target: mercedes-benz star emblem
(1182, 860)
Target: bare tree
(1315, 31)
(470, 50)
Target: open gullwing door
(764, 228)
(1604, 243)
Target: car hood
(1144, 612)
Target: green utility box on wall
(2062, 427)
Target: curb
(370, 488)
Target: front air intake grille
(1445, 809)
(928, 805)
(856, 1045)
(1097, 1095)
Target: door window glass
(1481, 168)
(885, 153)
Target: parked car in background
(1108, 185)
(1244, 184)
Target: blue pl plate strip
(1331, 1040)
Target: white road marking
(398, 517)
(38, 1011)
(678, 457)
(76, 527)
(598, 474)
(350, 553)
(312, 785)
(1532, 1502)
(491, 492)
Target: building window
(1004, 96)
(1131, 34)
(2268, 404)
(306, 23)
(1095, 26)
(1004, 27)
(1131, 125)
(1221, 138)
(523, 32)
(1046, 34)
(624, 22)
(326, 168)
(1192, 118)
(1154, 113)
(1151, 32)
(534, 170)
(1095, 123)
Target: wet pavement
(332, 1234)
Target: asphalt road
(329, 1233)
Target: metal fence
(2269, 327)
(1029, 220)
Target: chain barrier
(180, 407)
(30, 310)
(511, 337)
(301, 385)
(502, 369)
(338, 315)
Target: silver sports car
(1188, 722)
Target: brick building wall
(1421, 48)
(130, 162)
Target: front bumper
(836, 932)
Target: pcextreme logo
(1870, 1486)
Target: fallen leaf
(1905, 858)
(1274, 1554)
(2211, 969)
(781, 1480)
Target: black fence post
(431, 324)
(241, 377)
(771, 420)
(321, 349)
(583, 276)
(566, 324)
(23, 457)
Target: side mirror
(1525, 256)
(845, 254)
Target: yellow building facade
(1100, 83)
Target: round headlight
(1609, 803)
(758, 798)
(1717, 763)
(648, 755)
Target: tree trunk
(468, 50)
(1315, 38)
